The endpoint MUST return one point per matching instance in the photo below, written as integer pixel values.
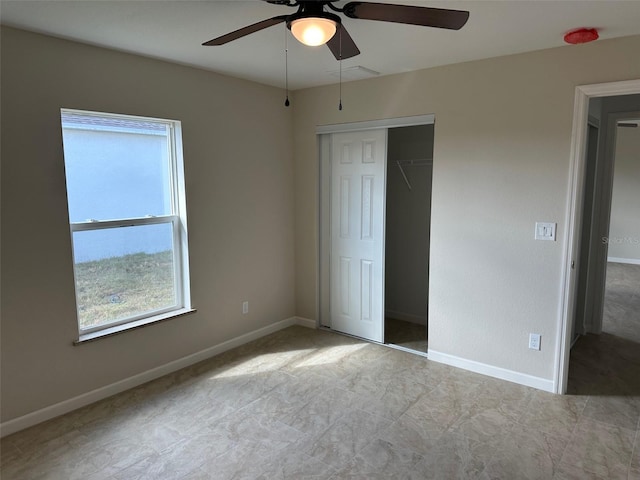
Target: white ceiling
(174, 31)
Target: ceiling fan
(312, 25)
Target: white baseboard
(306, 322)
(407, 317)
(66, 406)
(630, 261)
(491, 371)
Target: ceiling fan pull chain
(340, 62)
(286, 67)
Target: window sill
(107, 332)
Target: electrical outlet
(534, 341)
(245, 308)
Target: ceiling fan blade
(246, 31)
(342, 45)
(424, 16)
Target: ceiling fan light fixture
(312, 25)
(313, 31)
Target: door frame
(324, 198)
(583, 94)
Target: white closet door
(358, 161)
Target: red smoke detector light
(582, 35)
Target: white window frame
(178, 220)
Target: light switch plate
(545, 231)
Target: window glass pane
(123, 272)
(115, 168)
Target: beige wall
(624, 230)
(239, 176)
(501, 163)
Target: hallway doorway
(606, 305)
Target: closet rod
(420, 162)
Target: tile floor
(622, 301)
(308, 404)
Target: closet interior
(408, 220)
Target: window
(125, 192)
